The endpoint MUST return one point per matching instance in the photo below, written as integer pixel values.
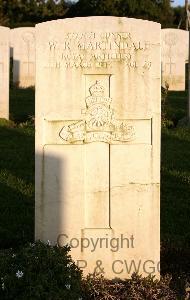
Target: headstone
(4, 72)
(98, 141)
(23, 52)
(175, 43)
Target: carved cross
(171, 65)
(29, 40)
(99, 126)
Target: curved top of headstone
(177, 39)
(27, 34)
(119, 21)
(102, 21)
(16, 32)
(4, 28)
(53, 29)
(174, 30)
(108, 18)
(22, 28)
(178, 33)
(4, 35)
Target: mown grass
(175, 185)
(175, 173)
(17, 181)
(175, 195)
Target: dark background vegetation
(19, 13)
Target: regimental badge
(99, 123)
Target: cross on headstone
(100, 128)
(97, 130)
(23, 52)
(1, 73)
(171, 66)
(29, 39)
(28, 68)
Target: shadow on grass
(175, 185)
(175, 206)
(16, 185)
(176, 106)
(22, 104)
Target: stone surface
(175, 43)
(4, 72)
(23, 53)
(98, 141)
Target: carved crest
(99, 123)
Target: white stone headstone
(174, 49)
(98, 141)
(23, 52)
(4, 72)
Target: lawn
(175, 174)
(17, 180)
(22, 104)
(17, 172)
(175, 185)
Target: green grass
(22, 104)
(175, 185)
(177, 106)
(17, 172)
(175, 174)
(175, 195)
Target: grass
(175, 185)
(175, 194)
(177, 106)
(175, 173)
(17, 181)
(17, 172)
(22, 104)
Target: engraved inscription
(99, 123)
(1, 74)
(29, 40)
(98, 50)
(170, 41)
